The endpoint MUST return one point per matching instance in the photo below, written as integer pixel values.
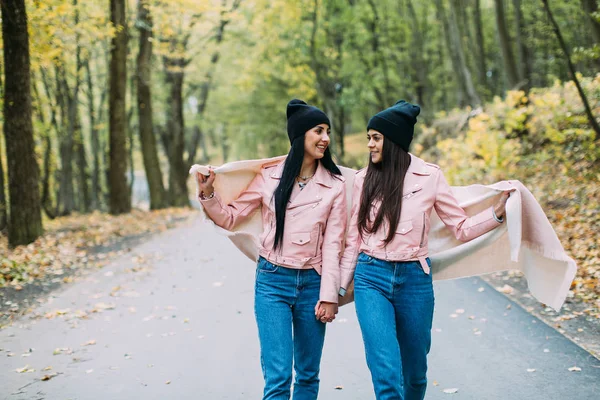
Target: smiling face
(316, 141)
(375, 145)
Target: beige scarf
(526, 242)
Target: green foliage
(547, 127)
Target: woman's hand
(325, 311)
(500, 206)
(205, 183)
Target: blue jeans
(394, 305)
(289, 333)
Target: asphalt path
(174, 319)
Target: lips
(321, 147)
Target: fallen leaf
(25, 369)
(167, 382)
(530, 369)
(460, 311)
(339, 387)
(451, 391)
(90, 343)
(481, 289)
(435, 383)
(48, 377)
(89, 371)
(575, 369)
(453, 315)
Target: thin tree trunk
(25, 217)
(120, 201)
(417, 51)
(590, 7)
(505, 44)
(563, 45)
(3, 205)
(482, 69)
(175, 129)
(65, 199)
(45, 200)
(454, 44)
(524, 61)
(158, 195)
(200, 139)
(96, 150)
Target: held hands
(325, 312)
(500, 206)
(205, 183)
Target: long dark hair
(291, 169)
(384, 182)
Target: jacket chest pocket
(411, 191)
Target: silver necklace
(306, 177)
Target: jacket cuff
(499, 220)
(328, 296)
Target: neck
(309, 166)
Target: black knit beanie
(301, 117)
(397, 123)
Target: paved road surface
(174, 320)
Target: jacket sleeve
(227, 216)
(465, 228)
(332, 247)
(353, 240)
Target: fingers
(211, 176)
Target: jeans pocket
(265, 266)
(364, 258)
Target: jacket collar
(322, 176)
(418, 166)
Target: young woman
(304, 218)
(386, 251)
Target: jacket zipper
(318, 239)
(422, 232)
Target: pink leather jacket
(425, 188)
(315, 222)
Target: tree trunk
(25, 217)
(158, 195)
(482, 69)
(591, 6)
(417, 54)
(96, 150)
(468, 95)
(563, 45)
(524, 58)
(175, 130)
(198, 138)
(65, 199)
(82, 174)
(200, 141)
(119, 201)
(3, 205)
(505, 45)
(46, 202)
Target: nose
(325, 139)
(370, 145)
